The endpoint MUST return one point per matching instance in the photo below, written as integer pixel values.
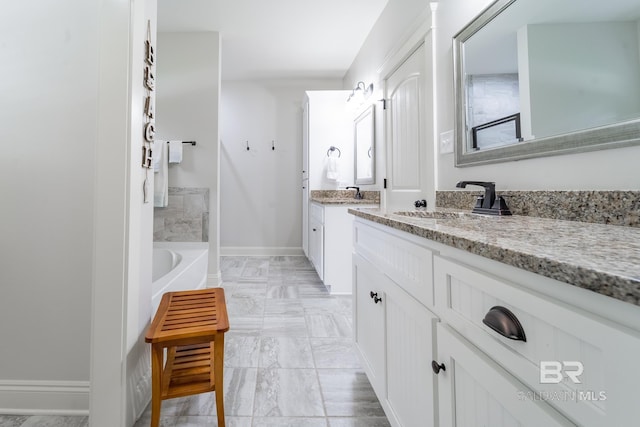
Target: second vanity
(462, 319)
(330, 226)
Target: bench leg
(218, 364)
(157, 354)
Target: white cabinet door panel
(474, 391)
(410, 346)
(369, 326)
(606, 393)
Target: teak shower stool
(190, 325)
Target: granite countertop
(601, 258)
(343, 201)
(344, 197)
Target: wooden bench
(190, 325)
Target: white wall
(261, 196)
(187, 108)
(140, 233)
(73, 216)
(48, 115)
(599, 170)
(330, 125)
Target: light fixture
(361, 90)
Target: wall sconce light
(361, 91)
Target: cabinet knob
(437, 367)
(375, 297)
(314, 229)
(504, 322)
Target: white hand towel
(333, 168)
(157, 154)
(175, 151)
(161, 179)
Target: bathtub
(178, 266)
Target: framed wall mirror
(540, 78)
(364, 145)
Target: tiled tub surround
(185, 219)
(603, 207)
(601, 258)
(344, 197)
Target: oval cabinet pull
(504, 322)
(437, 367)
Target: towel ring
(332, 149)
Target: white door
(406, 115)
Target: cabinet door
(338, 226)
(316, 242)
(368, 319)
(474, 391)
(410, 333)
(305, 217)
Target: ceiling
(278, 39)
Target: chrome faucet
(358, 194)
(487, 204)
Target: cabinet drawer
(567, 339)
(317, 212)
(405, 262)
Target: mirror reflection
(531, 70)
(364, 147)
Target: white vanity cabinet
(564, 338)
(394, 332)
(330, 230)
(577, 364)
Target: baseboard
(23, 397)
(260, 251)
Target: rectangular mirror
(364, 143)
(541, 77)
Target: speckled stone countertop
(601, 258)
(344, 197)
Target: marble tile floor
(289, 358)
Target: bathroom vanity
(426, 290)
(330, 228)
